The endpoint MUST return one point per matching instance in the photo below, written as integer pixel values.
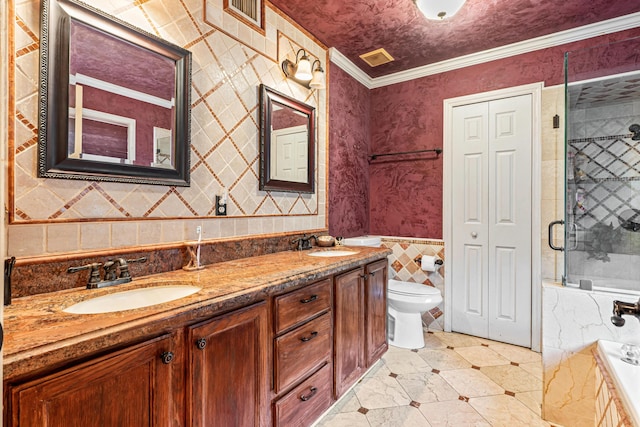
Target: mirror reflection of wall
(105, 88)
(114, 104)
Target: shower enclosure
(602, 167)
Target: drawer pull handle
(313, 335)
(364, 276)
(167, 357)
(373, 273)
(312, 298)
(312, 393)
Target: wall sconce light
(439, 9)
(301, 71)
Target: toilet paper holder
(418, 260)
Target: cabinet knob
(474, 234)
(310, 299)
(309, 338)
(167, 357)
(373, 273)
(201, 343)
(312, 392)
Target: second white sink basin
(128, 300)
(332, 253)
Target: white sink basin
(332, 253)
(128, 300)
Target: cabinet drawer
(305, 403)
(297, 306)
(301, 350)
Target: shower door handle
(551, 225)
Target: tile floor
(455, 380)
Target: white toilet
(406, 302)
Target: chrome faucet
(115, 272)
(621, 308)
(304, 242)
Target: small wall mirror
(114, 100)
(287, 143)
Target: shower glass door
(602, 173)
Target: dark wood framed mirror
(114, 100)
(287, 143)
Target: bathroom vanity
(269, 340)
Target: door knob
(474, 234)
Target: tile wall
(552, 187)
(402, 266)
(230, 61)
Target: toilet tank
(373, 241)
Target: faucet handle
(94, 277)
(109, 270)
(124, 266)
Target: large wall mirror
(114, 100)
(287, 143)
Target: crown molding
(350, 68)
(609, 26)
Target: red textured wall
(349, 126)
(146, 115)
(406, 196)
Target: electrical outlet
(221, 208)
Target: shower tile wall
(606, 183)
(49, 216)
(403, 267)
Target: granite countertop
(39, 335)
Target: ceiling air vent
(377, 57)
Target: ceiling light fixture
(301, 71)
(439, 9)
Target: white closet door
(491, 217)
(469, 211)
(509, 283)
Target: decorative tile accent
(403, 267)
(228, 66)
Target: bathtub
(626, 378)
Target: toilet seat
(411, 289)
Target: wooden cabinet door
(228, 370)
(349, 329)
(375, 295)
(131, 387)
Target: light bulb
(303, 70)
(318, 79)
